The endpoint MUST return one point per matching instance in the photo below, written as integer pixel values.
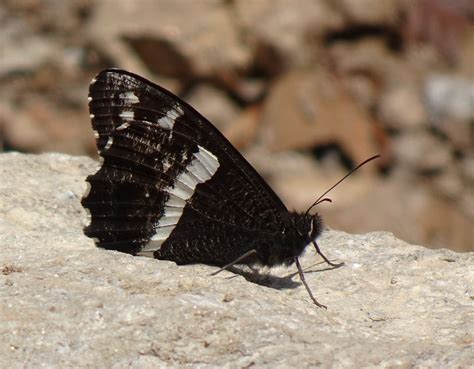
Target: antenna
(322, 198)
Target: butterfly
(173, 186)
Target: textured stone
(173, 38)
(214, 105)
(370, 12)
(450, 97)
(285, 30)
(309, 108)
(421, 151)
(66, 303)
(402, 107)
(22, 50)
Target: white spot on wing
(207, 159)
(169, 220)
(180, 190)
(167, 122)
(91, 116)
(175, 202)
(127, 115)
(173, 211)
(189, 180)
(89, 99)
(123, 126)
(166, 164)
(109, 143)
(130, 96)
(158, 238)
(175, 113)
(199, 170)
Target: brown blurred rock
(39, 126)
(370, 56)
(441, 23)
(174, 38)
(242, 132)
(300, 181)
(467, 167)
(401, 107)
(459, 133)
(420, 151)
(281, 168)
(364, 90)
(450, 100)
(247, 90)
(466, 56)
(309, 108)
(466, 203)
(285, 31)
(448, 183)
(52, 16)
(370, 12)
(450, 96)
(409, 210)
(444, 223)
(466, 197)
(214, 104)
(21, 50)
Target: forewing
(170, 182)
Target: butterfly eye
(300, 228)
(303, 228)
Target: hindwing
(170, 183)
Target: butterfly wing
(170, 182)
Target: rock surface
(66, 303)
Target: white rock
(450, 97)
(66, 303)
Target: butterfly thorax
(297, 231)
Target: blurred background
(306, 89)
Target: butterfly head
(298, 231)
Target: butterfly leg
(236, 261)
(303, 280)
(325, 258)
